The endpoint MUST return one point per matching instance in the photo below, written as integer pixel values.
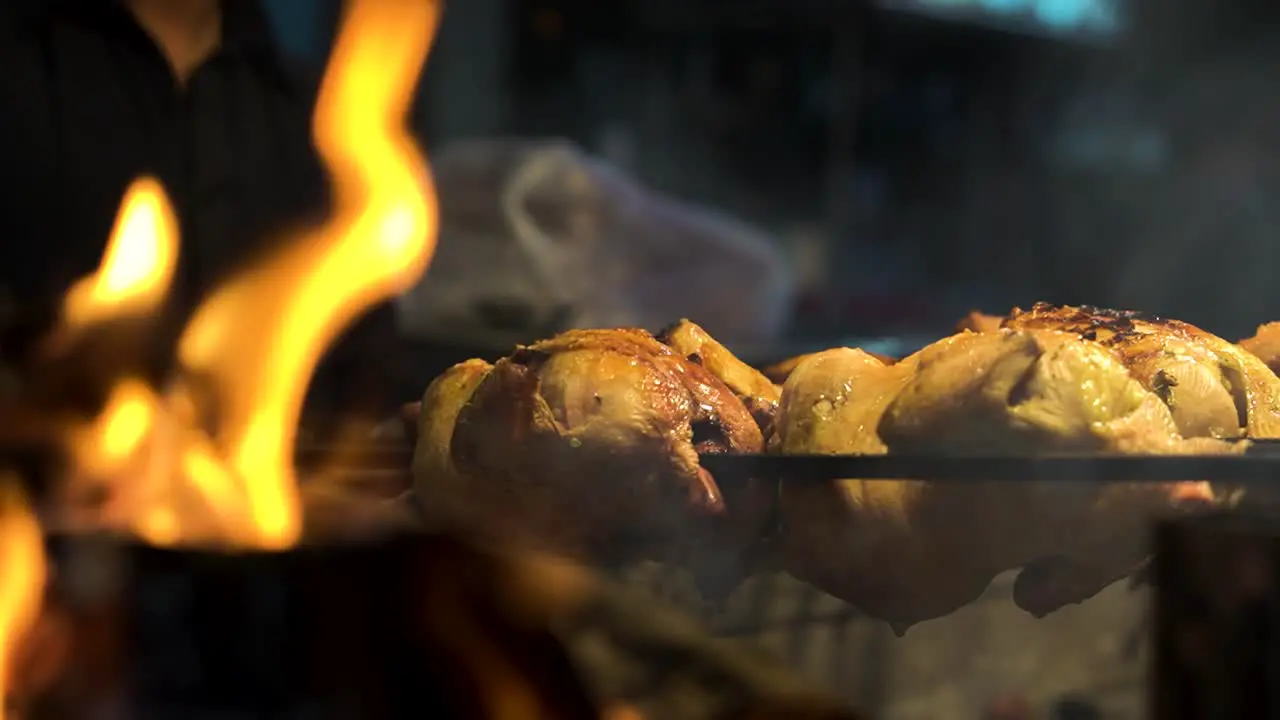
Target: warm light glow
(253, 346)
(22, 561)
(257, 340)
(116, 435)
(260, 337)
(138, 265)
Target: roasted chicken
(907, 551)
(588, 440)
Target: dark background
(915, 166)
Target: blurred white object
(537, 237)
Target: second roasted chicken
(907, 551)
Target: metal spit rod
(1259, 465)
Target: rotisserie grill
(1043, 441)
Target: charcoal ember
(1217, 618)
(408, 625)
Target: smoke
(1163, 193)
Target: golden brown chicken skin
(756, 391)
(593, 436)
(907, 551)
(1212, 387)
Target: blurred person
(194, 92)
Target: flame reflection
(208, 458)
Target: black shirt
(90, 104)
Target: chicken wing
(756, 391)
(907, 551)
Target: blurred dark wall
(1191, 232)
(963, 165)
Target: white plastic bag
(537, 237)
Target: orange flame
(259, 338)
(256, 341)
(23, 563)
(138, 265)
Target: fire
(249, 352)
(208, 458)
(23, 561)
(258, 339)
(138, 265)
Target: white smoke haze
(1167, 197)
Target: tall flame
(249, 352)
(259, 338)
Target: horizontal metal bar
(1260, 468)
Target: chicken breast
(1213, 388)
(591, 439)
(910, 550)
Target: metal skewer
(1259, 466)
